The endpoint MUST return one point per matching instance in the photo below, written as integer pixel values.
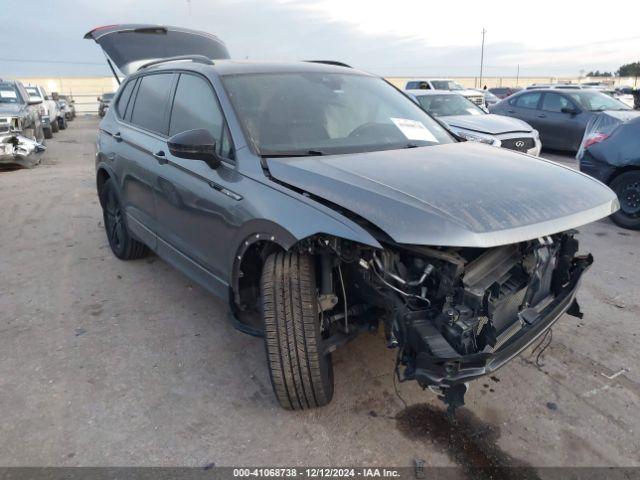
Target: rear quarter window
(151, 101)
(124, 97)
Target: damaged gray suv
(322, 202)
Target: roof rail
(330, 62)
(193, 58)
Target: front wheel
(301, 374)
(48, 133)
(627, 188)
(62, 123)
(54, 126)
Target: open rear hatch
(128, 47)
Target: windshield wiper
(293, 153)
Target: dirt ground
(112, 363)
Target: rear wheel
(62, 123)
(301, 375)
(122, 244)
(48, 132)
(54, 126)
(627, 188)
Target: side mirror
(196, 144)
(569, 110)
(34, 101)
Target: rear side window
(527, 100)
(124, 97)
(195, 106)
(151, 100)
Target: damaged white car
(21, 129)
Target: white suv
(445, 84)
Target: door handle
(511, 111)
(542, 115)
(117, 137)
(160, 157)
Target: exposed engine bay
(453, 313)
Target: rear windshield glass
(328, 113)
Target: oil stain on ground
(467, 440)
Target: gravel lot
(112, 363)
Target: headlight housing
(476, 137)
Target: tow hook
(453, 397)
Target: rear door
(525, 107)
(197, 206)
(139, 136)
(130, 46)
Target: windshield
(446, 85)
(596, 101)
(446, 105)
(33, 92)
(9, 93)
(328, 113)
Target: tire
(54, 126)
(48, 133)
(627, 188)
(122, 244)
(62, 123)
(301, 376)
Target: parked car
(489, 98)
(504, 92)
(105, 100)
(318, 201)
(560, 116)
(21, 131)
(49, 112)
(467, 120)
(445, 84)
(610, 152)
(66, 106)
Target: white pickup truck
(50, 111)
(445, 84)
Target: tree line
(627, 70)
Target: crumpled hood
(462, 194)
(7, 109)
(490, 123)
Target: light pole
(482, 56)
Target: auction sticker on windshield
(7, 94)
(414, 130)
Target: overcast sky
(386, 37)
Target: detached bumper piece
(20, 150)
(532, 323)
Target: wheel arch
(619, 171)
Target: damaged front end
(454, 314)
(16, 149)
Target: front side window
(151, 100)
(9, 93)
(447, 105)
(195, 106)
(553, 102)
(328, 113)
(527, 100)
